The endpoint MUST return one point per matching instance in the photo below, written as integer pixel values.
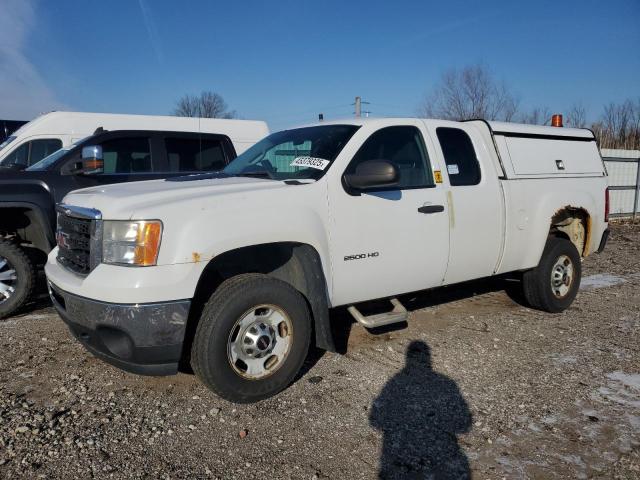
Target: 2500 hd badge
(360, 256)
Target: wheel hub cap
(259, 341)
(562, 276)
(8, 280)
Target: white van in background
(52, 131)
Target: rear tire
(553, 284)
(252, 338)
(17, 278)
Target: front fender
(200, 234)
(38, 228)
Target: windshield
(7, 141)
(301, 153)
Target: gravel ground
(474, 384)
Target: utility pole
(358, 104)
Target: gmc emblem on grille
(62, 239)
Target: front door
(394, 240)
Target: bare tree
(471, 92)
(537, 116)
(577, 116)
(207, 105)
(619, 125)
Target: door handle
(431, 209)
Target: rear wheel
(17, 278)
(553, 284)
(252, 338)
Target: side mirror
(373, 174)
(92, 160)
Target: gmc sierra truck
(236, 272)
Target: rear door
(474, 199)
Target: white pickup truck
(235, 273)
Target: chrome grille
(79, 236)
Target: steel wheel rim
(8, 280)
(260, 342)
(562, 275)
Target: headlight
(131, 243)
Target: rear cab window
(195, 154)
(460, 157)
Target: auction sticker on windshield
(312, 162)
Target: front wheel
(252, 338)
(17, 278)
(553, 284)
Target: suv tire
(252, 338)
(17, 278)
(553, 284)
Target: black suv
(28, 198)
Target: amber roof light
(556, 120)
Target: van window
(403, 146)
(43, 148)
(32, 152)
(20, 156)
(462, 163)
(127, 155)
(194, 154)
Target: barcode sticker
(312, 162)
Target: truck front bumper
(142, 338)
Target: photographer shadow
(420, 412)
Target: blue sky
(286, 61)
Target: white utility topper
(236, 272)
(52, 131)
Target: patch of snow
(559, 359)
(629, 380)
(600, 280)
(622, 388)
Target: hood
(132, 200)
(20, 176)
(12, 167)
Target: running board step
(397, 315)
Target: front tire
(553, 284)
(252, 338)
(17, 278)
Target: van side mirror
(372, 174)
(92, 160)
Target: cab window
(127, 155)
(404, 147)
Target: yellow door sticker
(438, 175)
